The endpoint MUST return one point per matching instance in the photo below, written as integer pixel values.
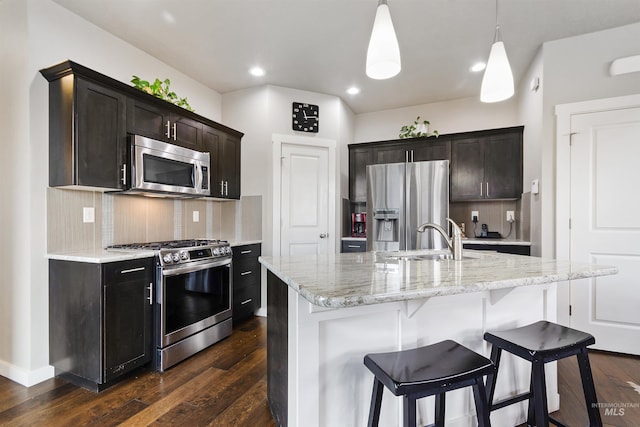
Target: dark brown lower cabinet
(246, 281)
(99, 319)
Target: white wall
(459, 115)
(266, 110)
(36, 34)
(576, 69)
(530, 104)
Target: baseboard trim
(23, 376)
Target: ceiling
(320, 45)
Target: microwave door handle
(198, 177)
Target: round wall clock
(305, 117)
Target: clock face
(305, 117)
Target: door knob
(323, 235)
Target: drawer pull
(353, 246)
(246, 252)
(244, 273)
(132, 270)
(246, 301)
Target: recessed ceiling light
(168, 17)
(256, 71)
(353, 90)
(478, 66)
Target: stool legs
(440, 403)
(491, 378)
(539, 394)
(409, 410)
(589, 389)
(482, 408)
(376, 402)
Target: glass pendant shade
(497, 83)
(383, 54)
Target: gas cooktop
(179, 252)
(171, 244)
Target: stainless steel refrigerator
(401, 197)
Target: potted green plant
(161, 90)
(417, 129)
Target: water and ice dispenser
(386, 229)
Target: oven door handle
(189, 268)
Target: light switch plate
(88, 215)
(535, 187)
(196, 216)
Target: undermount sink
(424, 257)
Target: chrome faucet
(454, 243)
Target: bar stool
(539, 343)
(426, 371)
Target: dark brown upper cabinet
(87, 134)
(394, 151)
(224, 149)
(487, 166)
(91, 117)
(488, 158)
(162, 124)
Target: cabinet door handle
(480, 189)
(244, 273)
(487, 192)
(222, 188)
(226, 188)
(246, 301)
(246, 252)
(132, 270)
(175, 133)
(168, 132)
(124, 174)
(150, 298)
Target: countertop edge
(480, 286)
(100, 256)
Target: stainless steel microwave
(166, 168)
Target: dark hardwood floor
(225, 385)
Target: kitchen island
(327, 312)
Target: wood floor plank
(225, 385)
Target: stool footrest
(509, 401)
(556, 422)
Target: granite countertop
(354, 279)
(485, 241)
(102, 256)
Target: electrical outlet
(196, 216)
(88, 215)
(474, 216)
(511, 216)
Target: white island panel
(330, 386)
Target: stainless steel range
(192, 308)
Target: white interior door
(605, 225)
(305, 201)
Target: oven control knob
(184, 255)
(176, 257)
(167, 258)
(227, 250)
(216, 251)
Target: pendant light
(383, 54)
(497, 83)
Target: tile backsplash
(129, 218)
(492, 213)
